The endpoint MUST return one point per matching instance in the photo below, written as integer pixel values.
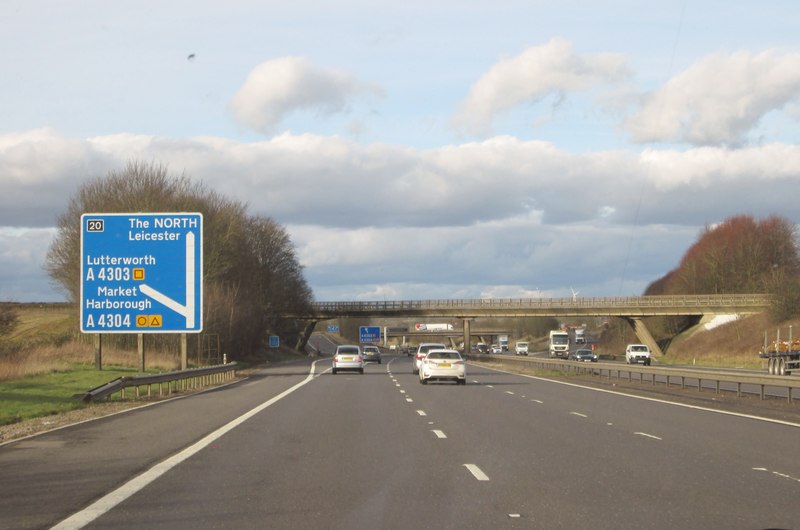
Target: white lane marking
(777, 474)
(489, 386)
(579, 414)
(409, 400)
(509, 392)
(421, 413)
(439, 434)
(108, 502)
(647, 435)
(476, 472)
(674, 403)
(474, 381)
(514, 515)
(537, 401)
(402, 391)
(430, 423)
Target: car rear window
(443, 355)
(428, 347)
(348, 351)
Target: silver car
(371, 354)
(348, 357)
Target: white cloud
(551, 69)
(503, 215)
(719, 99)
(279, 87)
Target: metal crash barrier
(167, 382)
(741, 384)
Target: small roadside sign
(274, 341)
(141, 272)
(333, 329)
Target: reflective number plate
(444, 365)
(347, 358)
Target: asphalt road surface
(285, 449)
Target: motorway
(293, 446)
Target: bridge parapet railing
(693, 301)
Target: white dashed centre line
(421, 413)
(476, 472)
(439, 434)
(510, 393)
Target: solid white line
(655, 400)
(476, 472)
(108, 502)
(439, 434)
(647, 435)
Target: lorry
(433, 327)
(782, 356)
(559, 343)
(637, 353)
(580, 336)
(502, 340)
(521, 348)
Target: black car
(583, 355)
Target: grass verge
(46, 394)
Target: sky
(413, 150)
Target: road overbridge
(631, 308)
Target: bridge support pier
(467, 335)
(644, 335)
(302, 340)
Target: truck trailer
(782, 356)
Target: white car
(637, 353)
(422, 351)
(443, 365)
(521, 348)
(348, 357)
(496, 348)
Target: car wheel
(361, 371)
(379, 361)
(333, 371)
(423, 381)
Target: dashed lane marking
(476, 472)
(439, 434)
(579, 414)
(421, 413)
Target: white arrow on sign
(187, 309)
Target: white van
(522, 348)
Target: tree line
(251, 274)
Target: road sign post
(141, 273)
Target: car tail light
(360, 359)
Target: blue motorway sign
(333, 329)
(141, 273)
(369, 334)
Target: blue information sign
(274, 341)
(141, 273)
(333, 329)
(369, 334)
